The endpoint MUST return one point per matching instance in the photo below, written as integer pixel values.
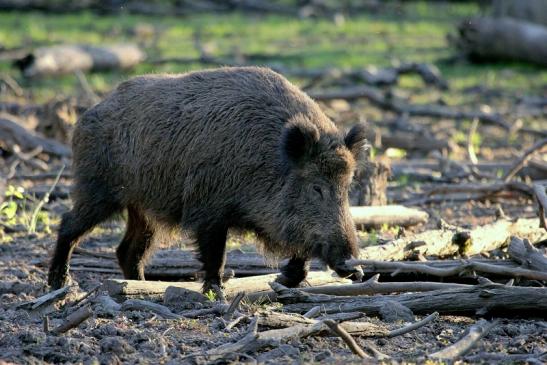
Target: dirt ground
(111, 337)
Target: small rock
(107, 307)
(116, 345)
(323, 355)
(183, 298)
(278, 353)
(392, 311)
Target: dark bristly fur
(209, 151)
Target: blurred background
(453, 91)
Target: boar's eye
(318, 191)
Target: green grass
(416, 34)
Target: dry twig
(411, 327)
(521, 162)
(354, 347)
(466, 343)
(74, 320)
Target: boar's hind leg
(212, 253)
(136, 245)
(83, 217)
(294, 272)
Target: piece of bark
(509, 300)
(74, 320)
(66, 59)
(523, 252)
(46, 299)
(252, 284)
(12, 133)
(494, 39)
(466, 343)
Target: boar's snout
(350, 272)
(336, 255)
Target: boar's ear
(356, 141)
(298, 141)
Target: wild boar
(209, 151)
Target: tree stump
(370, 184)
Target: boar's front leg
(212, 253)
(294, 272)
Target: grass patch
(413, 32)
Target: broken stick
(528, 301)
(523, 252)
(74, 320)
(251, 284)
(354, 347)
(466, 343)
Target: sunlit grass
(415, 32)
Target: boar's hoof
(349, 272)
(58, 278)
(288, 281)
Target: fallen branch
(521, 162)
(466, 343)
(523, 252)
(465, 266)
(372, 286)
(146, 306)
(73, 320)
(354, 347)
(486, 189)
(527, 301)
(12, 133)
(413, 326)
(252, 284)
(377, 98)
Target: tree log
(486, 39)
(446, 242)
(523, 252)
(66, 59)
(252, 284)
(393, 215)
(510, 300)
(12, 133)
